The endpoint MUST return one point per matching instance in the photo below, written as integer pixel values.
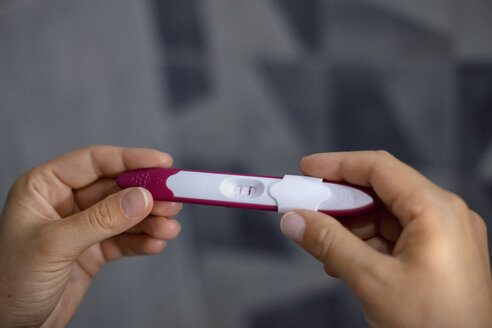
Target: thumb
(342, 252)
(111, 216)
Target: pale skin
(64, 220)
(422, 263)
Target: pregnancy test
(280, 194)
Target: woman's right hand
(428, 268)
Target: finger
(95, 192)
(130, 245)
(404, 190)
(82, 167)
(157, 227)
(344, 254)
(110, 217)
(168, 209)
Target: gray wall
(248, 87)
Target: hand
(429, 267)
(63, 220)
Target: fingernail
(134, 202)
(293, 226)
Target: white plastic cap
(299, 192)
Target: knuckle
(32, 182)
(31, 177)
(454, 199)
(93, 150)
(417, 203)
(94, 147)
(439, 203)
(384, 153)
(100, 218)
(384, 160)
(455, 203)
(479, 222)
(425, 198)
(19, 186)
(385, 156)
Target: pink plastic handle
(153, 179)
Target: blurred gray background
(249, 87)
